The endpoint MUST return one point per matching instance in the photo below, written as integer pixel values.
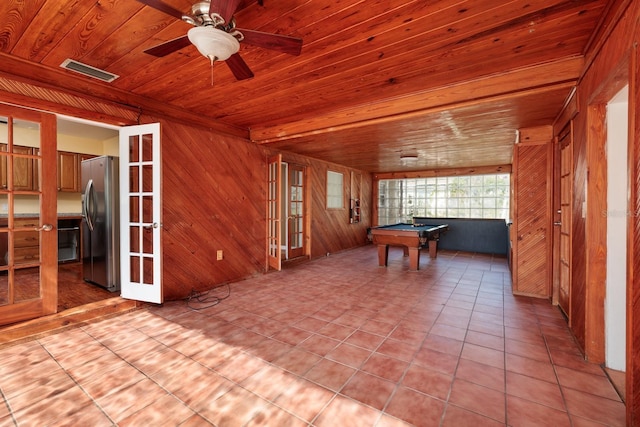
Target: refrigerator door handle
(88, 205)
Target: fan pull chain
(211, 58)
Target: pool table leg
(414, 259)
(383, 255)
(433, 248)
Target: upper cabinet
(68, 172)
(25, 170)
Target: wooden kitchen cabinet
(25, 170)
(25, 177)
(68, 172)
(26, 244)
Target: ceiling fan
(216, 36)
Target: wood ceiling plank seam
(138, 28)
(158, 72)
(295, 66)
(538, 15)
(372, 14)
(393, 93)
(613, 11)
(267, 16)
(157, 75)
(312, 98)
(349, 55)
(89, 32)
(479, 49)
(385, 80)
(603, 30)
(95, 37)
(239, 101)
(35, 43)
(15, 18)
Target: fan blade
(238, 67)
(163, 7)
(168, 47)
(285, 44)
(225, 8)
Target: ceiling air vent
(88, 70)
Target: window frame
(331, 191)
(477, 196)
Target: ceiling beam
(54, 80)
(513, 83)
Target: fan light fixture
(213, 43)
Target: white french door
(140, 213)
(274, 213)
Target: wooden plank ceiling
(447, 80)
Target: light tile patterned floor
(335, 342)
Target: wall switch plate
(219, 255)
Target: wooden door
(532, 214)
(566, 194)
(274, 233)
(295, 220)
(28, 284)
(140, 213)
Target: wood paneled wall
(611, 63)
(214, 198)
(331, 230)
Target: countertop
(70, 215)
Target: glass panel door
(28, 240)
(296, 204)
(274, 233)
(140, 214)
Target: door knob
(45, 227)
(557, 223)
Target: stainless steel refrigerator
(100, 225)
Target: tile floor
(334, 342)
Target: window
(335, 197)
(474, 196)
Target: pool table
(412, 237)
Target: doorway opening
(78, 140)
(617, 215)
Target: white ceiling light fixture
(215, 44)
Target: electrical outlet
(219, 255)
